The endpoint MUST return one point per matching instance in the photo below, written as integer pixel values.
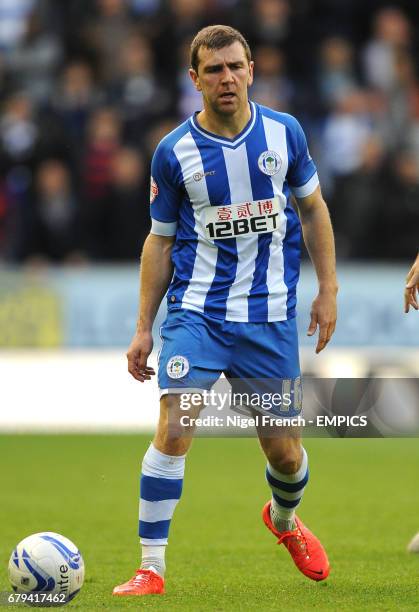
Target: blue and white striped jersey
(237, 250)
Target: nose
(227, 75)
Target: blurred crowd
(87, 89)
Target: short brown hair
(217, 37)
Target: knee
(172, 437)
(286, 463)
(172, 444)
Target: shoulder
(165, 162)
(289, 121)
(169, 142)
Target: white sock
(282, 518)
(287, 491)
(152, 558)
(161, 487)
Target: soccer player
(412, 287)
(225, 246)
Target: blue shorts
(259, 357)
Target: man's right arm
(155, 276)
(412, 287)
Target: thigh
(266, 350)
(195, 350)
(266, 364)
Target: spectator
(391, 34)
(177, 21)
(103, 144)
(33, 63)
(402, 102)
(137, 92)
(103, 139)
(357, 203)
(128, 206)
(271, 85)
(13, 15)
(26, 136)
(189, 99)
(19, 132)
(145, 7)
(347, 131)
(269, 22)
(53, 220)
(106, 33)
(8, 232)
(336, 76)
(75, 99)
(3, 77)
(188, 13)
(398, 221)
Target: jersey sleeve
(302, 172)
(165, 194)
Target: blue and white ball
(46, 562)
(413, 545)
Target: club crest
(269, 163)
(177, 367)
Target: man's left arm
(318, 238)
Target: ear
(195, 78)
(250, 78)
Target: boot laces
(294, 539)
(142, 576)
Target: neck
(228, 126)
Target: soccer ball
(413, 545)
(46, 562)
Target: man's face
(223, 77)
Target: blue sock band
(160, 490)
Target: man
(410, 299)
(412, 287)
(225, 240)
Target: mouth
(227, 96)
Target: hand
(137, 355)
(412, 287)
(323, 314)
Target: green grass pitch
(362, 501)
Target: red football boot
(306, 550)
(145, 582)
